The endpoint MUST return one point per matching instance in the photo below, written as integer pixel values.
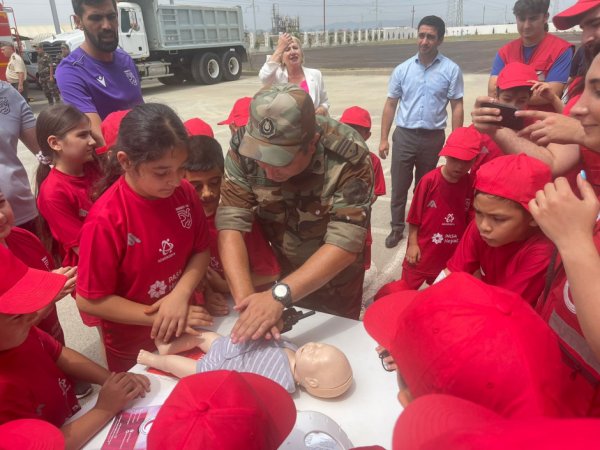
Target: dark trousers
(411, 149)
(25, 90)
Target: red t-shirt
(137, 248)
(28, 248)
(260, 254)
(561, 314)
(31, 385)
(64, 201)
(378, 178)
(519, 267)
(440, 210)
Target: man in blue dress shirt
(422, 86)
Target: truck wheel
(232, 66)
(206, 68)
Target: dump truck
(175, 43)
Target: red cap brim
(35, 290)
(571, 17)
(459, 153)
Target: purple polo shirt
(98, 86)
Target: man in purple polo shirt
(98, 78)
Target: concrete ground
(366, 88)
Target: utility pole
(483, 22)
(505, 11)
(376, 13)
(254, 16)
(324, 31)
(412, 20)
(55, 17)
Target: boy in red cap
(514, 87)
(198, 127)
(504, 243)
(36, 370)
(110, 130)
(224, 410)
(360, 119)
(204, 169)
(239, 115)
(439, 211)
(482, 343)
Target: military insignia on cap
(266, 127)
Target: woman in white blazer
(285, 66)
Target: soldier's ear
(312, 147)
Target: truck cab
(132, 32)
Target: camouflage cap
(282, 121)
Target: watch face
(280, 291)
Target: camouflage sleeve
(237, 198)
(351, 208)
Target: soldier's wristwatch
(282, 293)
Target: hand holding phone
(507, 112)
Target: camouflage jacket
(44, 64)
(330, 202)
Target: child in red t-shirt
(360, 119)
(144, 244)
(64, 190)
(36, 370)
(439, 211)
(27, 247)
(513, 88)
(204, 170)
(504, 243)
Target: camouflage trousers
(50, 89)
(342, 296)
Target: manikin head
(323, 370)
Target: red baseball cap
(479, 342)
(358, 116)
(240, 113)
(224, 410)
(464, 143)
(30, 434)
(110, 129)
(24, 290)
(435, 422)
(516, 74)
(572, 16)
(198, 127)
(516, 177)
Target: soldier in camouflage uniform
(308, 180)
(46, 76)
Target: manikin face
(76, 146)
(208, 187)
(501, 221)
(155, 179)
(100, 23)
(587, 109)
(293, 55)
(428, 41)
(322, 369)
(7, 218)
(531, 27)
(301, 161)
(517, 97)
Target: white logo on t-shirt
(101, 80)
(82, 212)
(185, 216)
(132, 239)
(437, 238)
(166, 247)
(4, 106)
(157, 289)
(431, 204)
(131, 77)
(449, 218)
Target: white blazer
(274, 73)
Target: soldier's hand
(259, 316)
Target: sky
(394, 12)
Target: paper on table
(130, 428)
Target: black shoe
(393, 238)
(83, 389)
